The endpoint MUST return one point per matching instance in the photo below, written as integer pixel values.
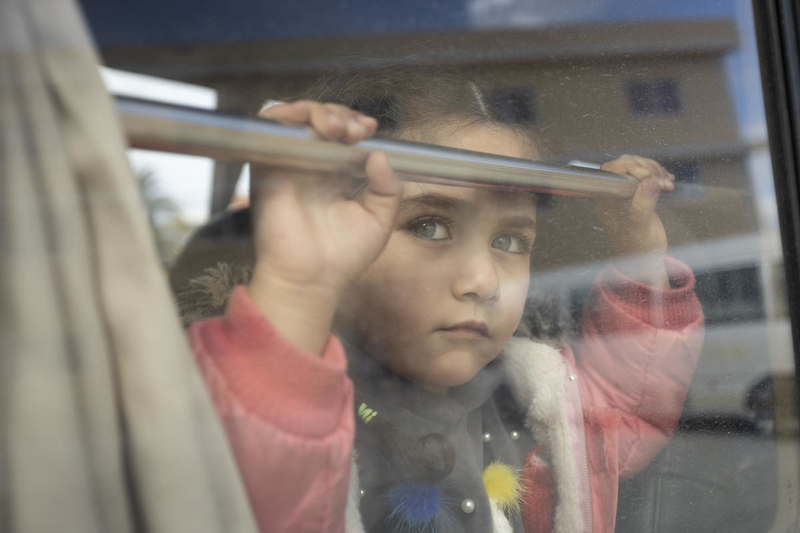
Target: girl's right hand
(311, 239)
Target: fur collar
(538, 375)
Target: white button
(361, 492)
(515, 435)
(487, 437)
(468, 506)
(573, 377)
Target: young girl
(457, 425)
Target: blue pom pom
(416, 506)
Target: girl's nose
(476, 277)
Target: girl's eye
(510, 243)
(430, 228)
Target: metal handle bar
(170, 128)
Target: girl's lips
(468, 329)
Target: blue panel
(176, 22)
(183, 22)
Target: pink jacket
(289, 415)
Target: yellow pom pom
(503, 486)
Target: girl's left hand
(632, 226)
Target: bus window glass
(686, 426)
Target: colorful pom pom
(417, 506)
(503, 486)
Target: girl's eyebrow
(435, 200)
(448, 203)
(518, 222)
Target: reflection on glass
(673, 81)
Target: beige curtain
(104, 421)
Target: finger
(644, 201)
(649, 164)
(667, 179)
(370, 123)
(346, 112)
(295, 113)
(620, 165)
(358, 126)
(667, 182)
(639, 172)
(657, 170)
(355, 131)
(327, 123)
(365, 126)
(641, 168)
(384, 190)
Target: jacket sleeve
(288, 416)
(638, 350)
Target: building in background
(657, 88)
(595, 91)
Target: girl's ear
(543, 320)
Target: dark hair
(423, 102)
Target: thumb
(384, 190)
(645, 200)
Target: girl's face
(448, 290)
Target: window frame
(776, 23)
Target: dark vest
(480, 419)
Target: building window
(514, 106)
(731, 295)
(654, 97)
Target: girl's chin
(445, 369)
(452, 373)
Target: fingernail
(269, 104)
(357, 127)
(368, 122)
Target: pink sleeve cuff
(299, 392)
(673, 308)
